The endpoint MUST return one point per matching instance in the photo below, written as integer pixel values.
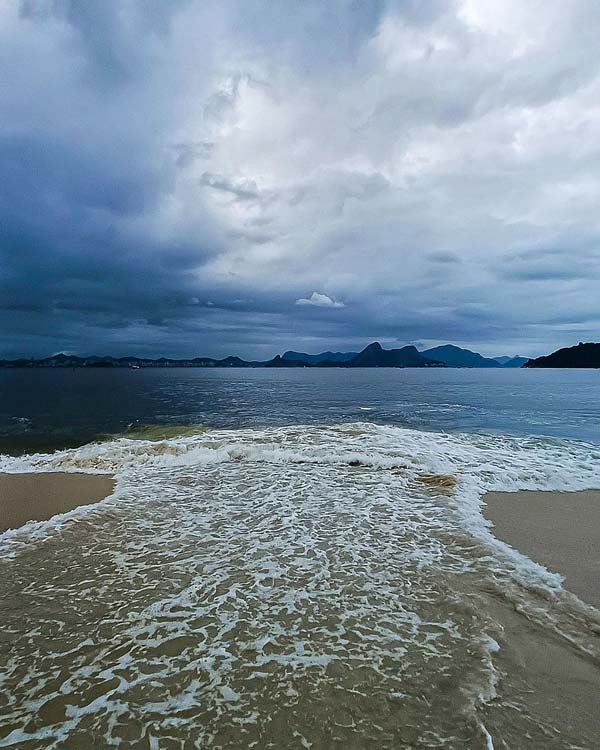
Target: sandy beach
(38, 497)
(560, 530)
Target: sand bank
(38, 497)
(560, 530)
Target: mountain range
(373, 355)
(448, 355)
(515, 361)
(454, 356)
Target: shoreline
(40, 496)
(560, 530)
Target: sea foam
(238, 576)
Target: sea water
(262, 580)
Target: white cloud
(319, 300)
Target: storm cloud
(245, 176)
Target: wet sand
(541, 676)
(560, 530)
(38, 497)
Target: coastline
(285, 537)
(39, 496)
(560, 530)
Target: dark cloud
(562, 264)
(175, 176)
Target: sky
(191, 178)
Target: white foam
(480, 462)
(281, 554)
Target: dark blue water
(45, 409)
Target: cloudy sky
(196, 177)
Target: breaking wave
(240, 586)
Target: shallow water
(285, 587)
(45, 409)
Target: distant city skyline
(246, 177)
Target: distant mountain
(512, 361)
(372, 356)
(375, 356)
(454, 356)
(235, 362)
(281, 362)
(71, 360)
(582, 355)
(314, 359)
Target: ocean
(290, 559)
